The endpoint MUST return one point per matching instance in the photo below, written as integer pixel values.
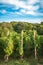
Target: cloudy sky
(21, 10)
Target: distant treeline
(18, 26)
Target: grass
(19, 62)
(25, 61)
(41, 61)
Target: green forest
(21, 40)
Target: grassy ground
(21, 62)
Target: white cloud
(34, 13)
(23, 11)
(31, 2)
(19, 13)
(3, 11)
(22, 4)
(17, 2)
(30, 20)
(41, 2)
(27, 7)
(39, 14)
(27, 12)
(31, 12)
(35, 20)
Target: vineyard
(21, 41)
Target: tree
(8, 47)
(40, 29)
(41, 46)
(28, 43)
(2, 43)
(19, 27)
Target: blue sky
(21, 10)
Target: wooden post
(35, 44)
(21, 46)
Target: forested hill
(18, 26)
(21, 40)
